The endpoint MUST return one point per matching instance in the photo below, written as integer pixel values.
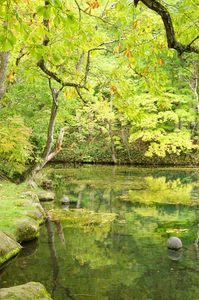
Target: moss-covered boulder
(28, 291)
(27, 229)
(32, 195)
(35, 210)
(37, 213)
(46, 196)
(8, 248)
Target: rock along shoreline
(21, 223)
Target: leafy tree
(98, 54)
(15, 147)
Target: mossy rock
(28, 291)
(37, 213)
(27, 229)
(8, 248)
(41, 209)
(47, 184)
(32, 195)
(46, 196)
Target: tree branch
(80, 95)
(170, 33)
(88, 63)
(193, 40)
(58, 145)
(89, 14)
(53, 75)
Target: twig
(193, 41)
(91, 15)
(80, 95)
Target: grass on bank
(14, 203)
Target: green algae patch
(84, 219)
(28, 291)
(8, 248)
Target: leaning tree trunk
(50, 152)
(4, 56)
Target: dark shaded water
(128, 259)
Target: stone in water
(174, 243)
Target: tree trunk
(50, 153)
(4, 56)
(112, 143)
(51, 127)
(124, 135)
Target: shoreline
(21, 215)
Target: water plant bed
(82, 218)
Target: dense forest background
(112, 82)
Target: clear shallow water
(130, 260)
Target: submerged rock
(29, 248)
(27, 229)
(46, 196)
(28, 291)
(174, 243)
(65, 200)
(8, 248)
(65, 206)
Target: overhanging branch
(162, 11)
(41, 64)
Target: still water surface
(127, 258)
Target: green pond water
(111, 244)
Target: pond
(109, 243)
